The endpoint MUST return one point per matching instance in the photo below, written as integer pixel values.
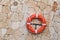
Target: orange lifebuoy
(41, 18)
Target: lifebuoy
(41, 18)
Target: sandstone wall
(13, 15)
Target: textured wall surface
(13, 15)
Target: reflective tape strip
(36, 15)
(43, 24)
(28, 23)
(35, 31)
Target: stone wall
(13, 15)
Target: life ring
(41, 18)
